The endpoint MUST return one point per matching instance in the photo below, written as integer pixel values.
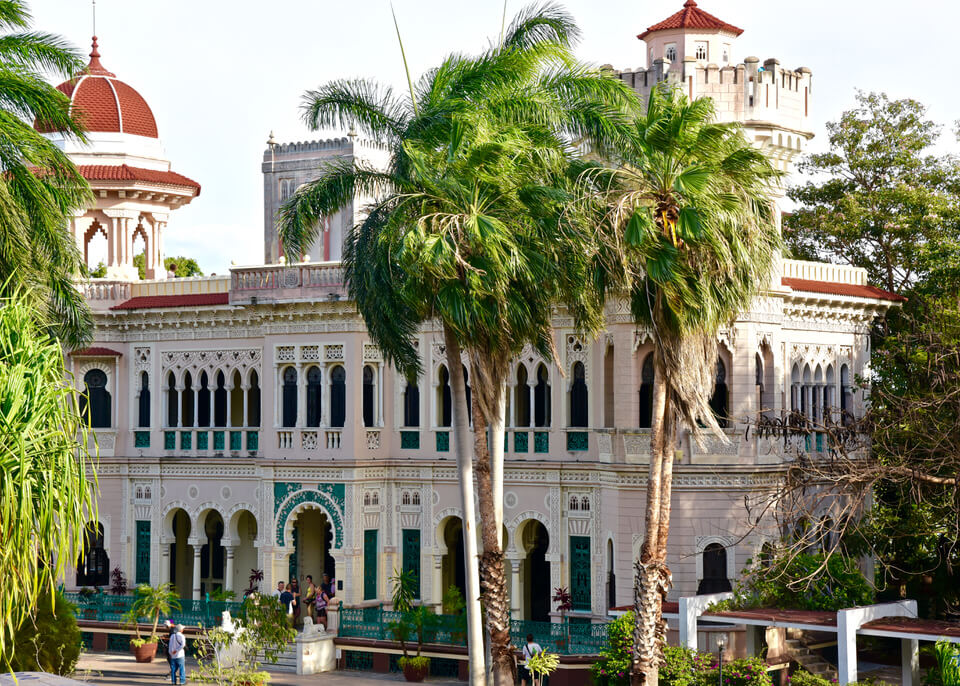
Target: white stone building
(246, 421)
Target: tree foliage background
(885, 197)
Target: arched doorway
(244, 535)
(93, 567)
(181, 555)
(453, 570)
(212, 555)
(312, 543)
(536, 572)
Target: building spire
(688, 3)
(94, 17)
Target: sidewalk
(115, 668)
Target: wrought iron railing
(113, 608)
(565, 637)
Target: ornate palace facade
(247, 422)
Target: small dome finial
(95, 67)
(690, 3)
(271, 141)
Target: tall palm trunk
(477, 671)
(493, 580)
(497, 435)
(651, 575)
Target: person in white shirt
(280, 587)
(178, 642)
(529, 650)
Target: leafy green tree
(689, 203)
(46, 493)
(40, 188)
(181, 266)
(880, 198)
(100, 271)
(50, 641)
(467, 230)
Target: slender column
(277, 398)
(228, 574)
(210, 398)
(910, 661)
(229, 390)
(179, 390)
(301, 394)
(197, 548)
(245, 390)
(164, 561)
(531, 406)
(516, 601)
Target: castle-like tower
(124, 162)
(698, 52)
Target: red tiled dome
(691, 17)
(104, 103)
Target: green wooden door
(143, 553)
(411, 555)
(370, 564)
(580, 588)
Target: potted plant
(149, 602)
(87, 598)
(564, 601)
(414, 620)
(542, 665)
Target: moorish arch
(522, 520)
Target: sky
(220, 75)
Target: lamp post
(721, 643)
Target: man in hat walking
(178, 643)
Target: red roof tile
(124, 172)
(104, 103)
(692, 17)
(145, 302)
(95, 351)
(912, 625)
(848, 289)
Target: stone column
(245, 390)
(179, 390)
(228, 387)
(301, 395)
(164, 561)
(228, 574)
(197, 548)
(516, 600)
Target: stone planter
(145, 652)
(415, 674)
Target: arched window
(93, 568)
(714, 570)
(541, 398)
(411, 404)
(719, 401)
(585, 503)
(172, 402)
(143, 402)
(444, 399)
(646, 392)
(314, 394)
(846, 393)
(220, 401)
(253, 400)
(578, 396)
(574, 503)
(758, 381)
(236, 400)
(95, 399)
(366, 499)
(369, 396)
(187, 401)
(405, 498)
(415, 498)
(203, 401)
(338, 396)
(289, 397)
(523, 397)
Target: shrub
(685, 667)
(51, 641)
(802, 677)
(748, 671)
(613, 666)
(801, 582)
(946, 670)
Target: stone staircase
(804, 651)
(286, 661)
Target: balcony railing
(285, 280)
(204, 440)
(568, 637)
(111, 608)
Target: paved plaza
(116, 668)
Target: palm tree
(40, 188)
(46, 496)
(691, 214)
(469, 230)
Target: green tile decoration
(186, 440)
(218, 443)
(253, 440)
(203, 440)
(236, 438)
(541, 442)
(443, 441)
(169, 440)
(521, 442)
(410, 440)
(577, 441)
(141, 439)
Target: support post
(848, 624)
(910, 661)
(197, 548)
(691, 607)
(228, 573)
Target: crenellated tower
(698, 52)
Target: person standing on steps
(176, 650)
(310, 599)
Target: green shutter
(411, 555)
(580, 572)
(370, 564)
(143, 552)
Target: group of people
(314, 600)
